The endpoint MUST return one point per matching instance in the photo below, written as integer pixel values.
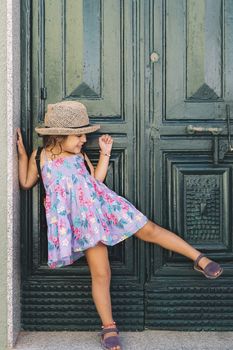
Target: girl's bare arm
(28, 174)
(102, 167)
(105, 143)
(100, 172)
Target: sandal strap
(108, 325)
(108, 330)
(198, 259)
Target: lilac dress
(81, 211)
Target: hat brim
(66, 131)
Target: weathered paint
(175, 178)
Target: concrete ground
(146, 340)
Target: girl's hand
(21, 149)
(105, 143)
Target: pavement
(145, 340)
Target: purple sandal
(110, 342)
(210, 270)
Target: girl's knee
(101, 274)
(97, 258)
(147, 231)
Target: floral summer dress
(81, 211)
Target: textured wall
(3, 179)
(9, 186)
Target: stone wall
(9, 185)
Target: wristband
(106, 154)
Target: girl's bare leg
(153, 233)
(98, 262)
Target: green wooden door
(148, 71)
(190, 174)
(85, 50)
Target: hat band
(71, 127)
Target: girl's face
(74, 143)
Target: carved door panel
(190, 164)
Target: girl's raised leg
(98, 262)
(153, 233)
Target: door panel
(84, 50)
(191, 174)
(197, 66)
(81, 48)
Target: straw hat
(65, 118)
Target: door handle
(214, 131)
(192, 129)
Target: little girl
(83, 215)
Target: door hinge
(43, 93)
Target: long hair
(53, 140)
